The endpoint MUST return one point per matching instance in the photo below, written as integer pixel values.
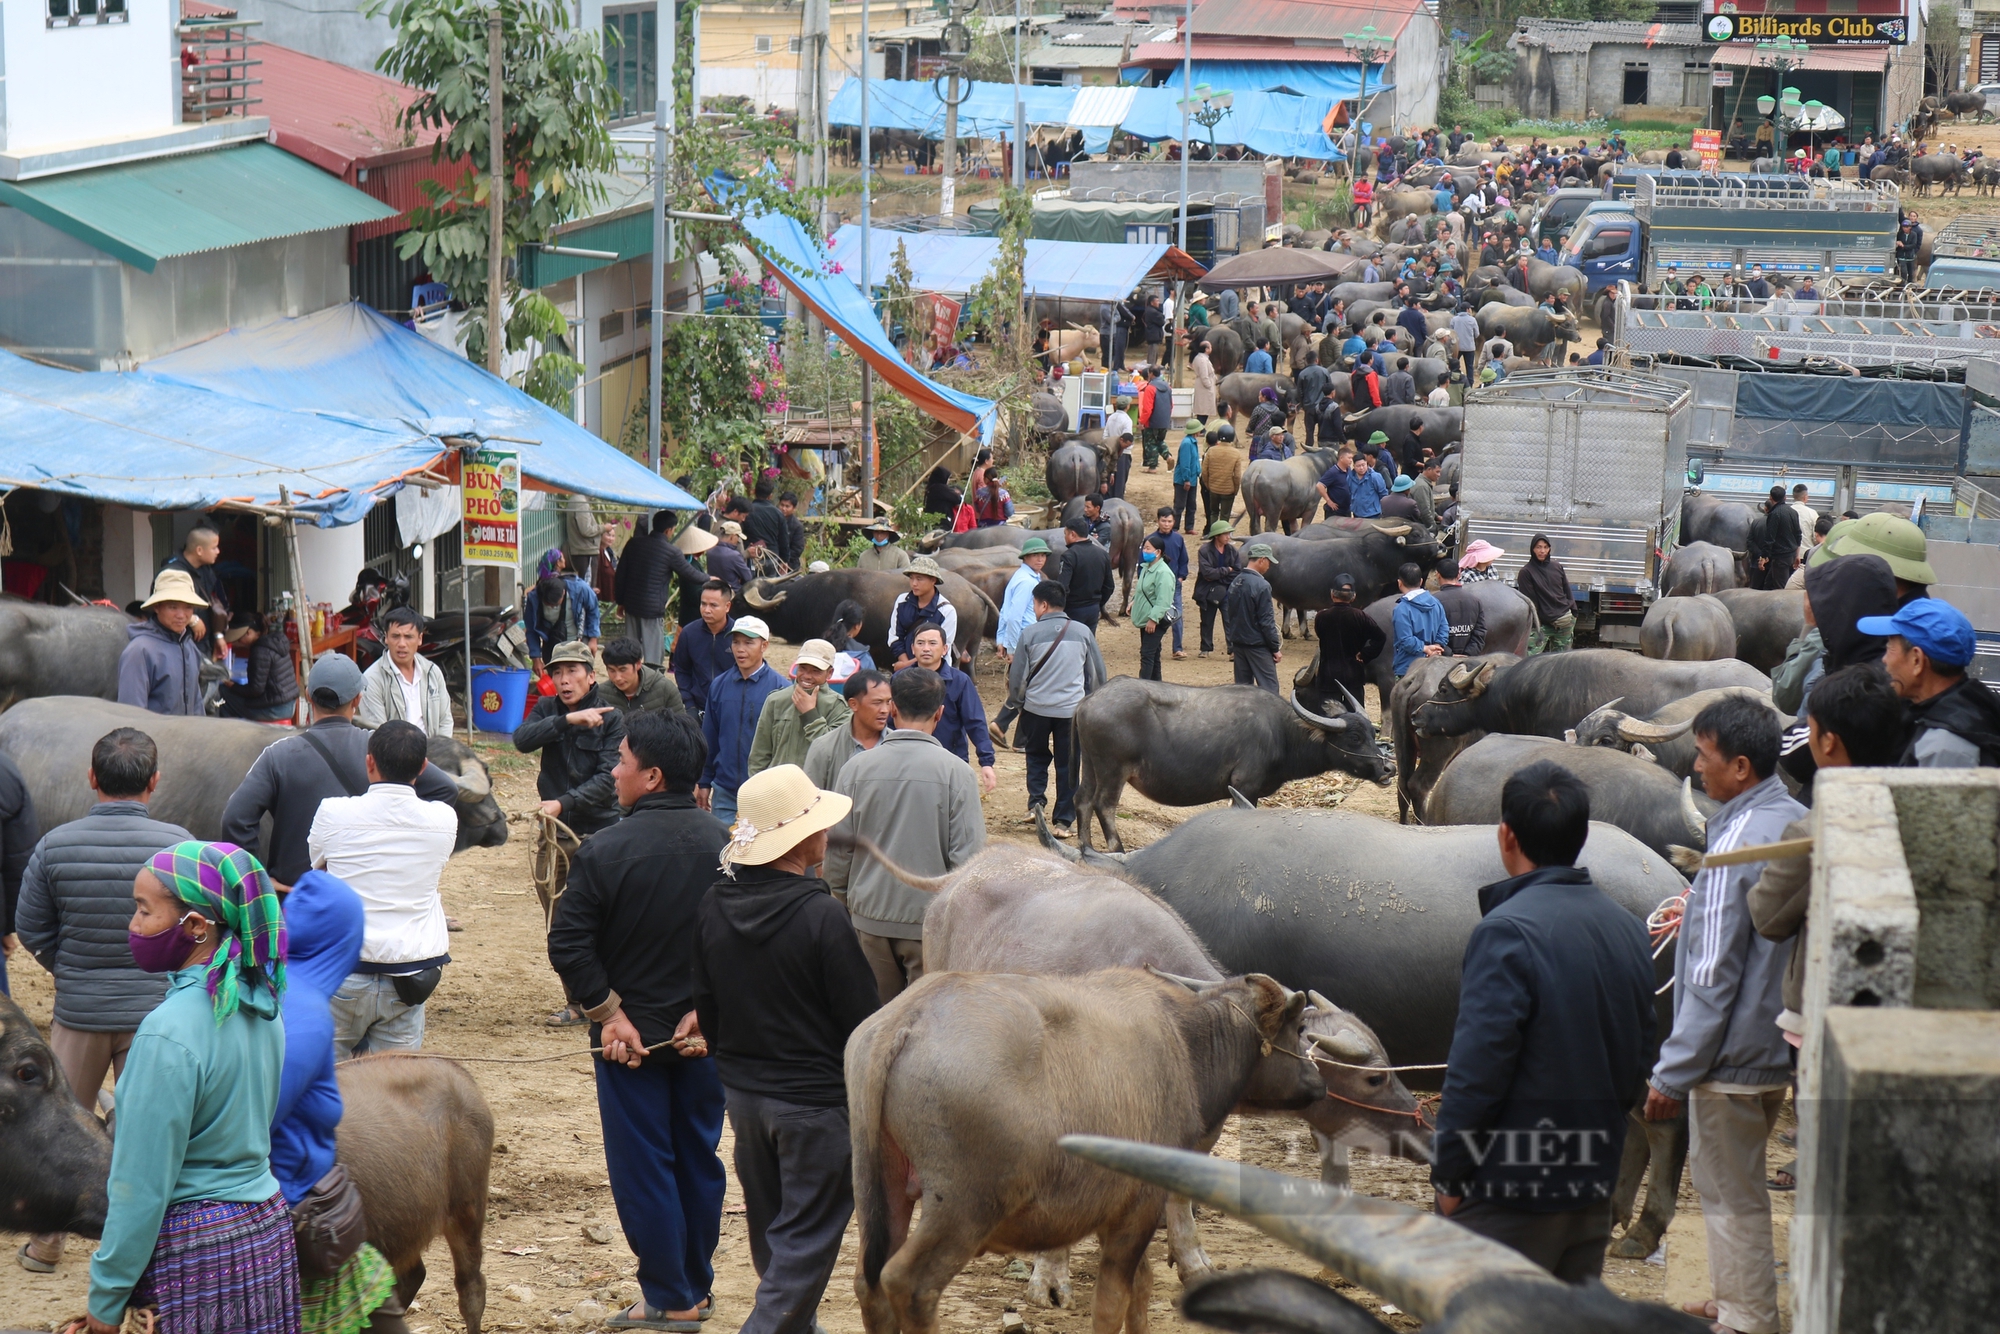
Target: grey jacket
(382, 696)
(160, 672)
(1728, 980)
(76, 903)
(1074, 667)
(920, 804)
(828, 755)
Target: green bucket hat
(1034, 546)
(1890, 536)
(1219, 527)
(1824, 552)
(1261, 551)
(1379, 438)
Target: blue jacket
(734, 703)
(964, 717)
(1176, 556)
(1366, 494)
(1187, 463)
(160, 672)
(699, 656)
(1017, 607)
(1257, 363)
(323, 923)
(1555, 1020)
(1418, 620)
(577, 620)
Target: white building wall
(88, 83)
(128, 554)
(1414, 72)
(328, 558)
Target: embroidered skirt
(224, 1268)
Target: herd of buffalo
(1303, 959)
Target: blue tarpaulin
(135, 440)
(349, 363)
(1332, 80)
(804, 267)
(1275, 124)
(942, 262)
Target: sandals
(33, 1263)
(1785, 1178)
(567, 1017)
(648, 1319)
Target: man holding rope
(1555, 1022)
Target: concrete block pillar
(128, 554)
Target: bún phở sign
(491, 486)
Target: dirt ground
(550, 1193)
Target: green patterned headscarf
(227, 884)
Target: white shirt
(1116, 424)
(1167, 309)
(413, 692)
(1440, 397)
(390, 846)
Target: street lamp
(1781, 55)
(1206, 109)
(1370, 46)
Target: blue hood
(323, 920)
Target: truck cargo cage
(1787, 193)
(1969, 238)
(1786, 332)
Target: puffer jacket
(76, 903)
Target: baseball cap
(1890, 536)
(1343, 583)
(815, 653)
(1034, 546)
(333, 681)
(573, 650)
(1931, 624)
(731, 528)
(750, 627)
(1261, 551)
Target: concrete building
(1576, 70)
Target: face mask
(163, 952)
(881, 541)
(1146, 556)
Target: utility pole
(867, 292)
(1020, 174)
(496, 196)
(663, 124)
(815, 25)
(1181, 291)
(947, 192)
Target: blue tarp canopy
(349, 363)
(135, 440)
(1331, 80)
(1275, 124)
(942, 262)
(804, 267)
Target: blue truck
(1722, 227)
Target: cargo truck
(1722, 227)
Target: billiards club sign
(1812, 29)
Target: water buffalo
(54, 1155)
(1666, 737)
(1450, 1279)
(1501, 294)
(1941, 169)
(1352, 292)
(59, 650)
(1699, 567)
(799, 607)
(1442, 426)
(1015, 910)
(1547, 280)
(1302, 577)
(1189, 745)
(978, 539)
(988, 571)
(1028, 1059)
(417, 1138)
(1725, 523)
(1127, 531)
(1278, 495)
(1766, 621)
(1548, 694)
(1634, 794)
(1074, 469)
(1528, 329)
(1964, 104)
(1690, 629)
(202, 762)
(1241, 390)
(1375, 917)
(1510, 618)
(1225, 347)
(1421, 759)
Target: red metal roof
(1164, 55)
(337, 118)
(1311, 20)
(201, 9)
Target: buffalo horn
(1686, 860)
(1353, 704)
(1598, 717)
(1460, 676)
(1323, 723)
(1416, 1260)
(1238, 801)
(1051, 842)
(475, 785)
(1691, 815)
(1635, 731)
(1483, 678)
(754, 595)
(1194, 984)
(1399, 530)
(1344, 1046)
(1320, 1002)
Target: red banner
(1708, 143)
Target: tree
(557, 98)
(1941, 42)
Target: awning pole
(496, 200)
(867, 292)
(653, 377)
(301, 613)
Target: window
(631, 51)
(795, 45)
(1609, 242)
(1635, 84)
(611, 326)
(74, 13)
(763, 46)
(1697, 83)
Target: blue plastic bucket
(499, 697)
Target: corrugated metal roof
(1099, 34)
(333, 116)
(1576, 37)
(1074, 57)
(1311, 20)
(1853, 59)
(144, 212)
